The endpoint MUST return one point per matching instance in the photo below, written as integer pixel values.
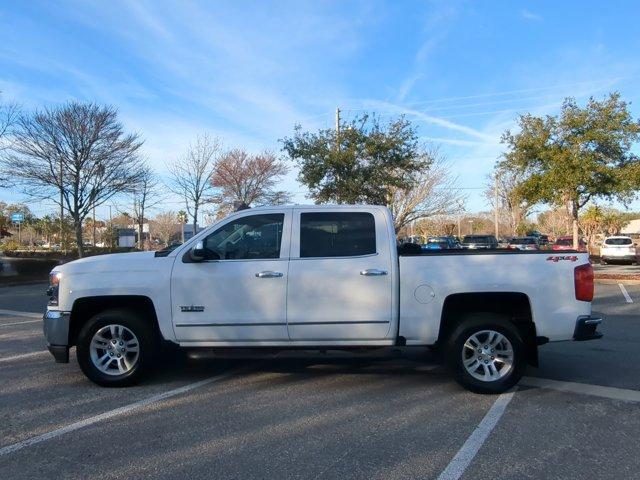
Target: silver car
(618, 248)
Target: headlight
(52, 291)
(54, 278)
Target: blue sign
(17, 217)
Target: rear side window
(618, 241)
(337, 234)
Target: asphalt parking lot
(397, 415)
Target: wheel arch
(516, 306)
(86, 307)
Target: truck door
(238, 294)
(340, 276)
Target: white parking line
(15, 313)
(111, 413)
(467, 453)
(583, 388)
(24, 355)
(19, 323)
(627, 297)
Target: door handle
(373, 272)
(269, 274)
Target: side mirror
(197, 252)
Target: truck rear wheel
(486, 353)
(115, 348)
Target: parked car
(566, 243)
(618, 249)
(543, 240)
(441, 243)
(479, 242)
(504, 242)
(523, 243)
(317, 277)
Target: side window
(337, 234)
(248, 238)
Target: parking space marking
(467, 453)
(15, 313)
(111, 413)
(583, 388)
(19, 323)
(627, 297)
(24, 355)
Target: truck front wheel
(115, 348)
(486, 353)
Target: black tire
(141, 327)
(475, 323)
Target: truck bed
(427, 279)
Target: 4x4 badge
(191, 308)
(556, 258)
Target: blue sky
(249, 71)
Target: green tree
(581, 154)
(363, 161)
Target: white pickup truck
(318, 277)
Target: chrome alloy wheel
(487, 355)
(114, 350)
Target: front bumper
(586, 328)
(55, 325)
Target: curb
(19, 283)
(615, 281)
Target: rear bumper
(621, 258)
(55, 325)
(586, 328)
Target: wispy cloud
(527, 15)
(434, 30)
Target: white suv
(618, 248)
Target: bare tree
(146, 195)
(77, 155)
(513, 208)
(434, 193)
(557, 221)
(244, 179)
(190, 175)
(165, 227)
(8, 117)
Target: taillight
(583, 280)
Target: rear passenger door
(340, 276)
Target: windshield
(477, 239)
(523, 241)
(565, 242)
(618, 241)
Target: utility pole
(110, 229)
(61, 209)
(495, 206)
(94, 227)
(460, 210)
(337, 122)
